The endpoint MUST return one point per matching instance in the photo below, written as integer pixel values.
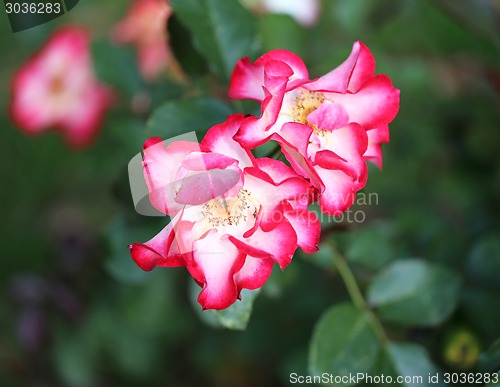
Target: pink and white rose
(326, 127)
(57, 88)
(233, 216)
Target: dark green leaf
(372, 246)
(483, 263)
(223, 31)
(477, 16)
(120, 233)
(343, 343)
(154, 305)
(175, 118)
(75, 356)
(478, 302)
(409, 361)
(415, 292)
(74, 364)
(489, 360)
(116, 66)
(182, 46)
(281, 279)
(281, 31)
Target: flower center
(305, 103)
(56, 85)
(222, 212)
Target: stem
(350, 283)
(357, 297)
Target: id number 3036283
(471, 378)
(33, 8)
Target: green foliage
(68, 218)
(409, 361)
(372, 246)
(343, 342)
(281, 31)
(116, 66)
(121, 232)
(175, 118)
(483, 263)
(223, 31)
(489, 360)
(478, 302)
(181, 41)
(415, 292)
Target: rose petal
(247, 81)
(219, 139)
(219, 260)
(329, 116)
(307, 227)
(161, 250)
(254, 273)
(161, 166)
(375, 104)
(279, 243)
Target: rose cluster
(234, 215)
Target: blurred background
(74, 309)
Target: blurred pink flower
(57, 88)
(326, 127)
(145, 26)
(233, 216)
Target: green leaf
(116, 66)
(281, 32)
(483, 263)
(223, 31)
(74, 362)
(155, 305)
(477, 16)
(489, 360)
(361, 250)
(415, 292)
(343, 343)
(175, 118)
(351, 16)
(181, 43)
(409, 362)
(478, 302)
(280, 280)
(235, 317)
(121, 232)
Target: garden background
(76, 311)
